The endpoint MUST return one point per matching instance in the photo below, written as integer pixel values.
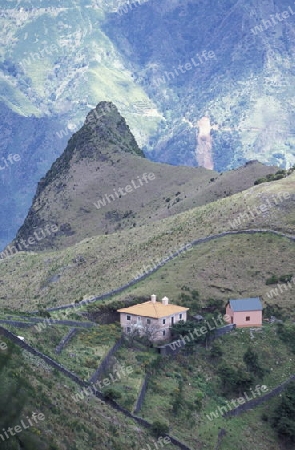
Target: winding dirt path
(165, 261)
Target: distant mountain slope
(153, 59)
(29, 138)
(102, 183)
(231, 64)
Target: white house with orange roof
(152, 318)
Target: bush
(272, 280)
(286, 278)
(216, 351)
(160, 428)
(112, 393)
(273, 310)
(250, 358)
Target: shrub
(272, 280)
(112, 393)
(216, 351)
(160, 428)
(286, 278)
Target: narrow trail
(183, 249)
(258, 401)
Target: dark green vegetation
(17, 403)
(239, 380)
(184, 389)
(284, 415)
(274, 279)
(274, 177)
(287, 334)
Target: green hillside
(102, 263)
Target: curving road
(165, 261)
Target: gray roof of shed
(246, 304)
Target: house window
(164, 321)
(128, 317)
(180, 316)
(164, 332)
(148, 321)
(247, 318)
(128, 329)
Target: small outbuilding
(245, 312)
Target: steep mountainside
(102, 184)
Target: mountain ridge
(103, 154)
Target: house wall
(239, 318)
(155, 324)
(229, 312)
(255, 319)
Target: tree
(216, 351)
(228, 377)
(234, 380)
(178, 398)
(151, 332)
(250, 358)
(284, 415)
(147, 333)
(131, 336)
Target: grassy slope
(71, 425)
(82, 354)
(232, 267)
(54, 393)
(199, 375)
(112, 260)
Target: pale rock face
(204, 146)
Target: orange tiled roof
(154, 310)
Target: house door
(172, 321)
(231, 319)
